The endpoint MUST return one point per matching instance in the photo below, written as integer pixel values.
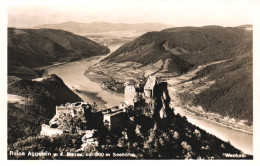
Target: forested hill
(41, 97)
(30, 48)
(211, 43)
(231, 93)
(196, 45)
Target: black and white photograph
(129, 80)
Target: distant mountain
(191, 47)
(42, 95)
(97, 27)
(31, 48)
(246, 26)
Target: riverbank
(62, 63)
(187, 110)
(98, 100)
(239, 139)
(184, 84)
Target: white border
(3, 105)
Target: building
(74, 109)
(131, 94)
(82, 117)
(115, 121)
(73, 117)
(134, 94)
(149, 87)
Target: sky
(29, 13)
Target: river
(73, 76)
(240, 140)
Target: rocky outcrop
(88, 139)
(160, 106)
(48, 131)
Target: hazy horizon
(28, 13)
(123, 23)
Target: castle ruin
(79, 116)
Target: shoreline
(94, 96)
(99, 81)
(214, 122)
(75, 60)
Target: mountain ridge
(104, 27)
(196, 40)
(32, 48)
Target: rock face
(89, 139)
(88, 134)
(162, 102)
(154, 95)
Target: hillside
(32, 48)
(149, 130)
(41, 97)
(232, 93)
(224, 88)
(149, 49)
(181, 140)
(98, 27)
(107, 33)
(196, 45)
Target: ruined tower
(131, 94)
(149, 87)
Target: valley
(187, 76)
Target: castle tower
(149, 87)
(130, 94)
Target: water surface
(73, 76)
